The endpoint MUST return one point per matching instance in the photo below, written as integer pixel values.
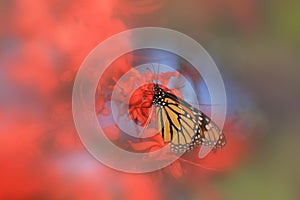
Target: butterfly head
(157, 89)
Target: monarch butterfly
(184, 126)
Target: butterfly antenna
(154, 74)
(157, 73)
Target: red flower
(140, 103)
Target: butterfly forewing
(183, 125)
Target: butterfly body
(184, 126)
(158, 97)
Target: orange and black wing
(185, 126)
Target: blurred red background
(43, 43)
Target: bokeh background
(255, 44)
